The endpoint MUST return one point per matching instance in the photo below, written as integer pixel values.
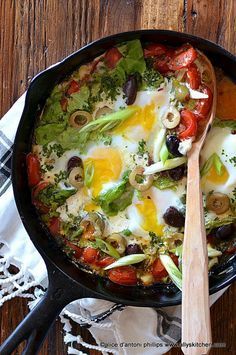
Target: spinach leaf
(133, 62)
(79, 100)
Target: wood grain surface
(37, 33)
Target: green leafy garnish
(53, 112)
(117, 198)
(88, 174)
(133, 61)
(54, 148)
(152, 79)
(215, 161)
(127, 232)
(142, 147)
(217, 222)
(106, 248)
(127, 260)
(164, 153)
(164, 182)
(173, 271)
(48, 133)
(79, 100)
(53, 196)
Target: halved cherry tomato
(112, 57)
(64, 104)
(158, 270)
(73, 87)
(54, 226)
(204, 105)
(175, 259)
(77, 250)
(123, 275)
(33, 169)
(231, 250)
(38, 204)
(183, 59)
(161, 64)
(188, 119)
(193, 77)
(154, 50)
(107, 260)
(90, 255)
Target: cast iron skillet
(66, 281)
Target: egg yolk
(90, 207)
(212, 176)
(107, 165)
(148, 212)
(144, 117)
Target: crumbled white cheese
(185, 146)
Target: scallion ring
(145, 181)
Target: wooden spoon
(196, 324)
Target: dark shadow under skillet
(66, 281)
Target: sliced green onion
(88, 174)
(169, 164)
(106, 248)
(215, 161)
(158, 142)
(173, 271)
(109, 121)
(127, 260)
(164, 153)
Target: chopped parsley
(152, 78)
(127, 232)
(233, 161)
(62, 175)
(49, 149)
(155, 240)
(142, 147)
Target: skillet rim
(115, 38)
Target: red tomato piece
(107, 260)
(64, 104)
(231, 250)
(193, 77)
(112, 57)
(90, 255)
(123, 275)
(158, 270)
(175, 259)
(77, 251)
(154, 50)
(38, 204)
(183, 59)
(73, 87)
(33, 169)
(54, 226)
(189, 121)
(204, 105)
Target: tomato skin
(183, 59)
(33, 169)
(90, 255)
(38, 204)
(231, 250)
(73, 87)
(188, 119)
(112, 57)
(175, 259)
(123, 275)
(107, 260)
(54, 226)
(193, 77)
(158, 270)
(77, 251)
(204, 105)
(64, 104)
(154, 50)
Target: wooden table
(37, 33)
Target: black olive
(177, 173)
(133, 249)
(130, 89)
(172, 143)
(173, 217)
(74, 162)
(225, 232)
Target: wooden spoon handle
(196, 325)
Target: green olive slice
(118, 242)
(137, 174)
(218, 202)
(76, 177)
(79, 119)
(171, 118)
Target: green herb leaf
(127, 260)
(54, 197)
(48, 133)
(213, 160)
(88, 174)
(106, 248)
(173, 271)
(164, 182)
(79, 100)
(164, 153)
(217, 222)
(133, 62)
(152, 79)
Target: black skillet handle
(37, 323)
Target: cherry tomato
(90, 255)
(204, 105)
(73, 87)
(161, 64)
(188, 119)
(154, 50)
(33, 169)
(123, 275)
(193, 77)
(175, 259)
(112, 57)
(183, 59)
(77, 251)
(231, 250)
(38, 204)
(158, 270)
(54, 226)
(64, 104)
(107, 260)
